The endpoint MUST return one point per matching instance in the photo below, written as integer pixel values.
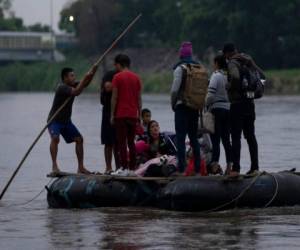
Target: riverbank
(43, 76)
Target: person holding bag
(218, 103)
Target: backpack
(252, 86)
(194, 86)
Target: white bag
(207, 122)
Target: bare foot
(108, 171)
(55, 169)
(83, 170)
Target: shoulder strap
(184, 68)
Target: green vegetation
(280, 82)
(272, 38)
(42, 76)
(283, 81)
(9, 22)
(267, 30)
(157, 82)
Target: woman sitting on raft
(156, 141)
(153, 150)
(152, 145)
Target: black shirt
(62, 93)
(105, 97)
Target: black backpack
(252, 86)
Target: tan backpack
(195, 86)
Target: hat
(229, 48)
(186, 49)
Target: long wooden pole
(64, 104)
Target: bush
(39, 76)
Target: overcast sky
(38, 11)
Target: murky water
(35, 226)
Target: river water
(35, 226)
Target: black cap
(229, 48)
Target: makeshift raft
(210, 193)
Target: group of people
(233, 86)
(130, 135)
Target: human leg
(249, 133)
(192, 130)
(116, 156)
(131, 128)
(80, 155)
(121, 136)
(181, 131)
(108, 151)
(236, 124)
(225, 136)
(54, 129)
(71, 134)
(216, 136)
(53, 151)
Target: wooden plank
(135, 178)
(63, 174)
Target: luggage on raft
(209, 193)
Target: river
(35, 226)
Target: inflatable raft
(209, 193)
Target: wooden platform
(138, 178)
(103, 176)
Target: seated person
(157, 142)
(154, 145)
(142, 129)
(146, 118)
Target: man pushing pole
(63, 106)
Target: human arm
(114, 98)
(212, 89)
(233, 76)
(106, 86)
(140, 106)
(85, 81)
(140, 102)
(177, 79)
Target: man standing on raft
(62, 124)
(188, 93)
(125, 111)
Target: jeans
(125, 134)
(186, 123)
(222, 132)
(242, 116)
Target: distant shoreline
(43, 77)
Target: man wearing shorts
(62, 124)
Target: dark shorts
(68, 131)
(107, 132)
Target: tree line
(268, 30)
(10, 22)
